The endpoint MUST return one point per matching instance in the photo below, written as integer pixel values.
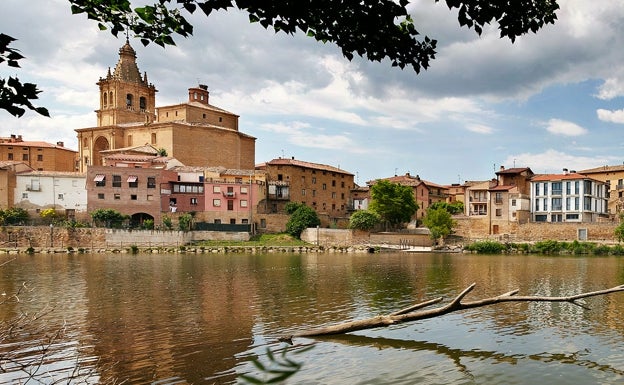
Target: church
(194, 132)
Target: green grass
(259, 240)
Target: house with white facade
(63, 191)
(568, 197)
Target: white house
(40, 190)
(568, 197)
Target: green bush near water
(548, 247)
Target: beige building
(613, 176)
(41, 156)
(195, 132)
(324, 188)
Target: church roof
(126, 68)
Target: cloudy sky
(549, 101)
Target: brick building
(194, 132)
(41, 156)
(324, 188)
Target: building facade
(324, 188)
(568, 197)
(41, 156)
(613, 176)
(195, 132)
(62, 191)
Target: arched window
(142, 103)
(105, 101)
(110, 98)
(129, 101)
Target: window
(243, 203)
(116, 180)
(100, 180)
(243, 190)
(151, 182)
(232, 221)
(498, 197)
(313, 193)
(540, 218)
(142, 103)
(117, 197)
(24, 195)
(556, 188)
(342, 184)
(40, 157)
(217, 221)
(572, 216)
(556, 204)
(230, 205)
(193, 201)
(303, 179)
(133, 197)
(324, 186)
(537, 190)
(216, 189)
(280, 177)
(24, 156)
(150, 197)
(499, 212)
(334, 183)
(334, 195)
(568, 188)
(216, 202)
(10, 155)
(245, 221)
(263, 223)
(100, 196)
(153, 138)
(303, 192)
(513, 203)
(128, 101)
(133, 181)
(238, 180)
(129, 140)
(313, 180)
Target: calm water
(200, 319)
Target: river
(202, 318)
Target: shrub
(364, 220)
(486, 247)
(301, 219)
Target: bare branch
(412, 314)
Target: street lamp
(51, 235)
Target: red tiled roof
(556, 177)
(300, 163)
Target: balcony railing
(229, 194)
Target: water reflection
(201, 318)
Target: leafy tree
(439, 222)
(185, 222)
(14, 216)
(108, 218)
(619, 232)
(364, 220)
(167, 222)
(291, 207)
(302, 218)
(15, 96)
(394, 203)
(453, 208)
(376, 30)
(49, 215)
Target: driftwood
(417, 311)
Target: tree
(16, 97)
(300, 219)
(364, 220)
(108, 217)
(453, 208)
(185, 222)
(394, 203)
(14, 216)
(439, 222)
(619, 232)
(376, 30)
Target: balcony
(229, 194)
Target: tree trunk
(417, 311)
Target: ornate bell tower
(125, 95)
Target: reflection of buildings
(196, 132)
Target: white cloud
(480, 128)
(565, 128)
(616, 116)
(301, 134)
(552, 161)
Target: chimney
(407, 174)
(292, 157)
(502, 168)
(60, 144)
(565, 171)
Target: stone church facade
(196, 132)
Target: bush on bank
(548, 247)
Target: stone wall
(337, 237)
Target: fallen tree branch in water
(417, 311)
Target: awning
(99, 178)
(132, 178)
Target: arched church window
(110, 98)
(129, 101)
(142, 103)
(105, 101)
